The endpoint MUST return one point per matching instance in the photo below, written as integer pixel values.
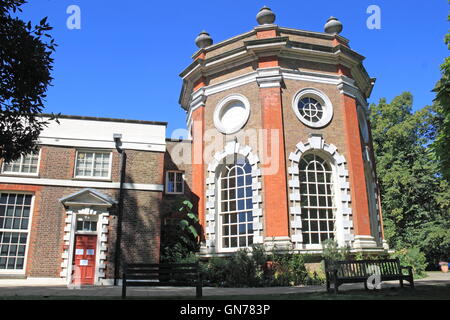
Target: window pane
(2, 262)
(25, 164)
(236, 196)
(15, 215)
(93, 164)
(174, 182)
(24, 224)
(315, 191)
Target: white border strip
(101, 144)
(82, 184)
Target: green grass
(428, 292)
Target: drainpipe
(123, 159)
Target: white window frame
(322, 98)
(32, 174)
(225, 102)
(92, 177)
(335, 208)
(167, 182)
(30, 222)
(219, 223)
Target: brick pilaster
(360, 208)
(275, 182)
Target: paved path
(15, 288)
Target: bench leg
(401, 283)
(124, 287)
(411, 282)
(199, 291)
(365, 285)
(336, 287)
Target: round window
(231, 114)
(312, 108)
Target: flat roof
(64, 116)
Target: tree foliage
(441, 145)
(415, 197)
(25, 67)
(180, 232)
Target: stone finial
(265, 16)
(203, 40)
(333, 26)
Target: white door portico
(92, 205)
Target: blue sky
(125, 60)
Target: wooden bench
(174, 274)
(339, 272)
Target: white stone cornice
(346, 87)
(272, 77)
(269, 77)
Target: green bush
(179, 232)
(412, 257)
(243, 269)
(332, 252)
(288, 270)
(215, 271)
(257, 268)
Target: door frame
(101, 233)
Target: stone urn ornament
(203, 40)
(265, 16)
(333, 26)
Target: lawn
(425, 292)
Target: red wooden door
(84, 259)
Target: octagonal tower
(281, 145)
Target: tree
(441, 145)
(415, 198)
(179, 231)
(25, 67)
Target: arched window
(236, 206)
(316, 199)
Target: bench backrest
(176, 273)
(363, 268)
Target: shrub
(288, 270)
(412, 257)
(256, 268)
(243, 269)
(179, 232)
(215, 271)
(332, 252)
(315, 278)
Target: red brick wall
(275, 184)
(361, 219)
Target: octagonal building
(281, 145)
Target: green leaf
(188, 204)
(183, 224)
(193, 231)
(193, 216)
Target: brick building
(279, 153)
(282, 153)
(59, 208)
